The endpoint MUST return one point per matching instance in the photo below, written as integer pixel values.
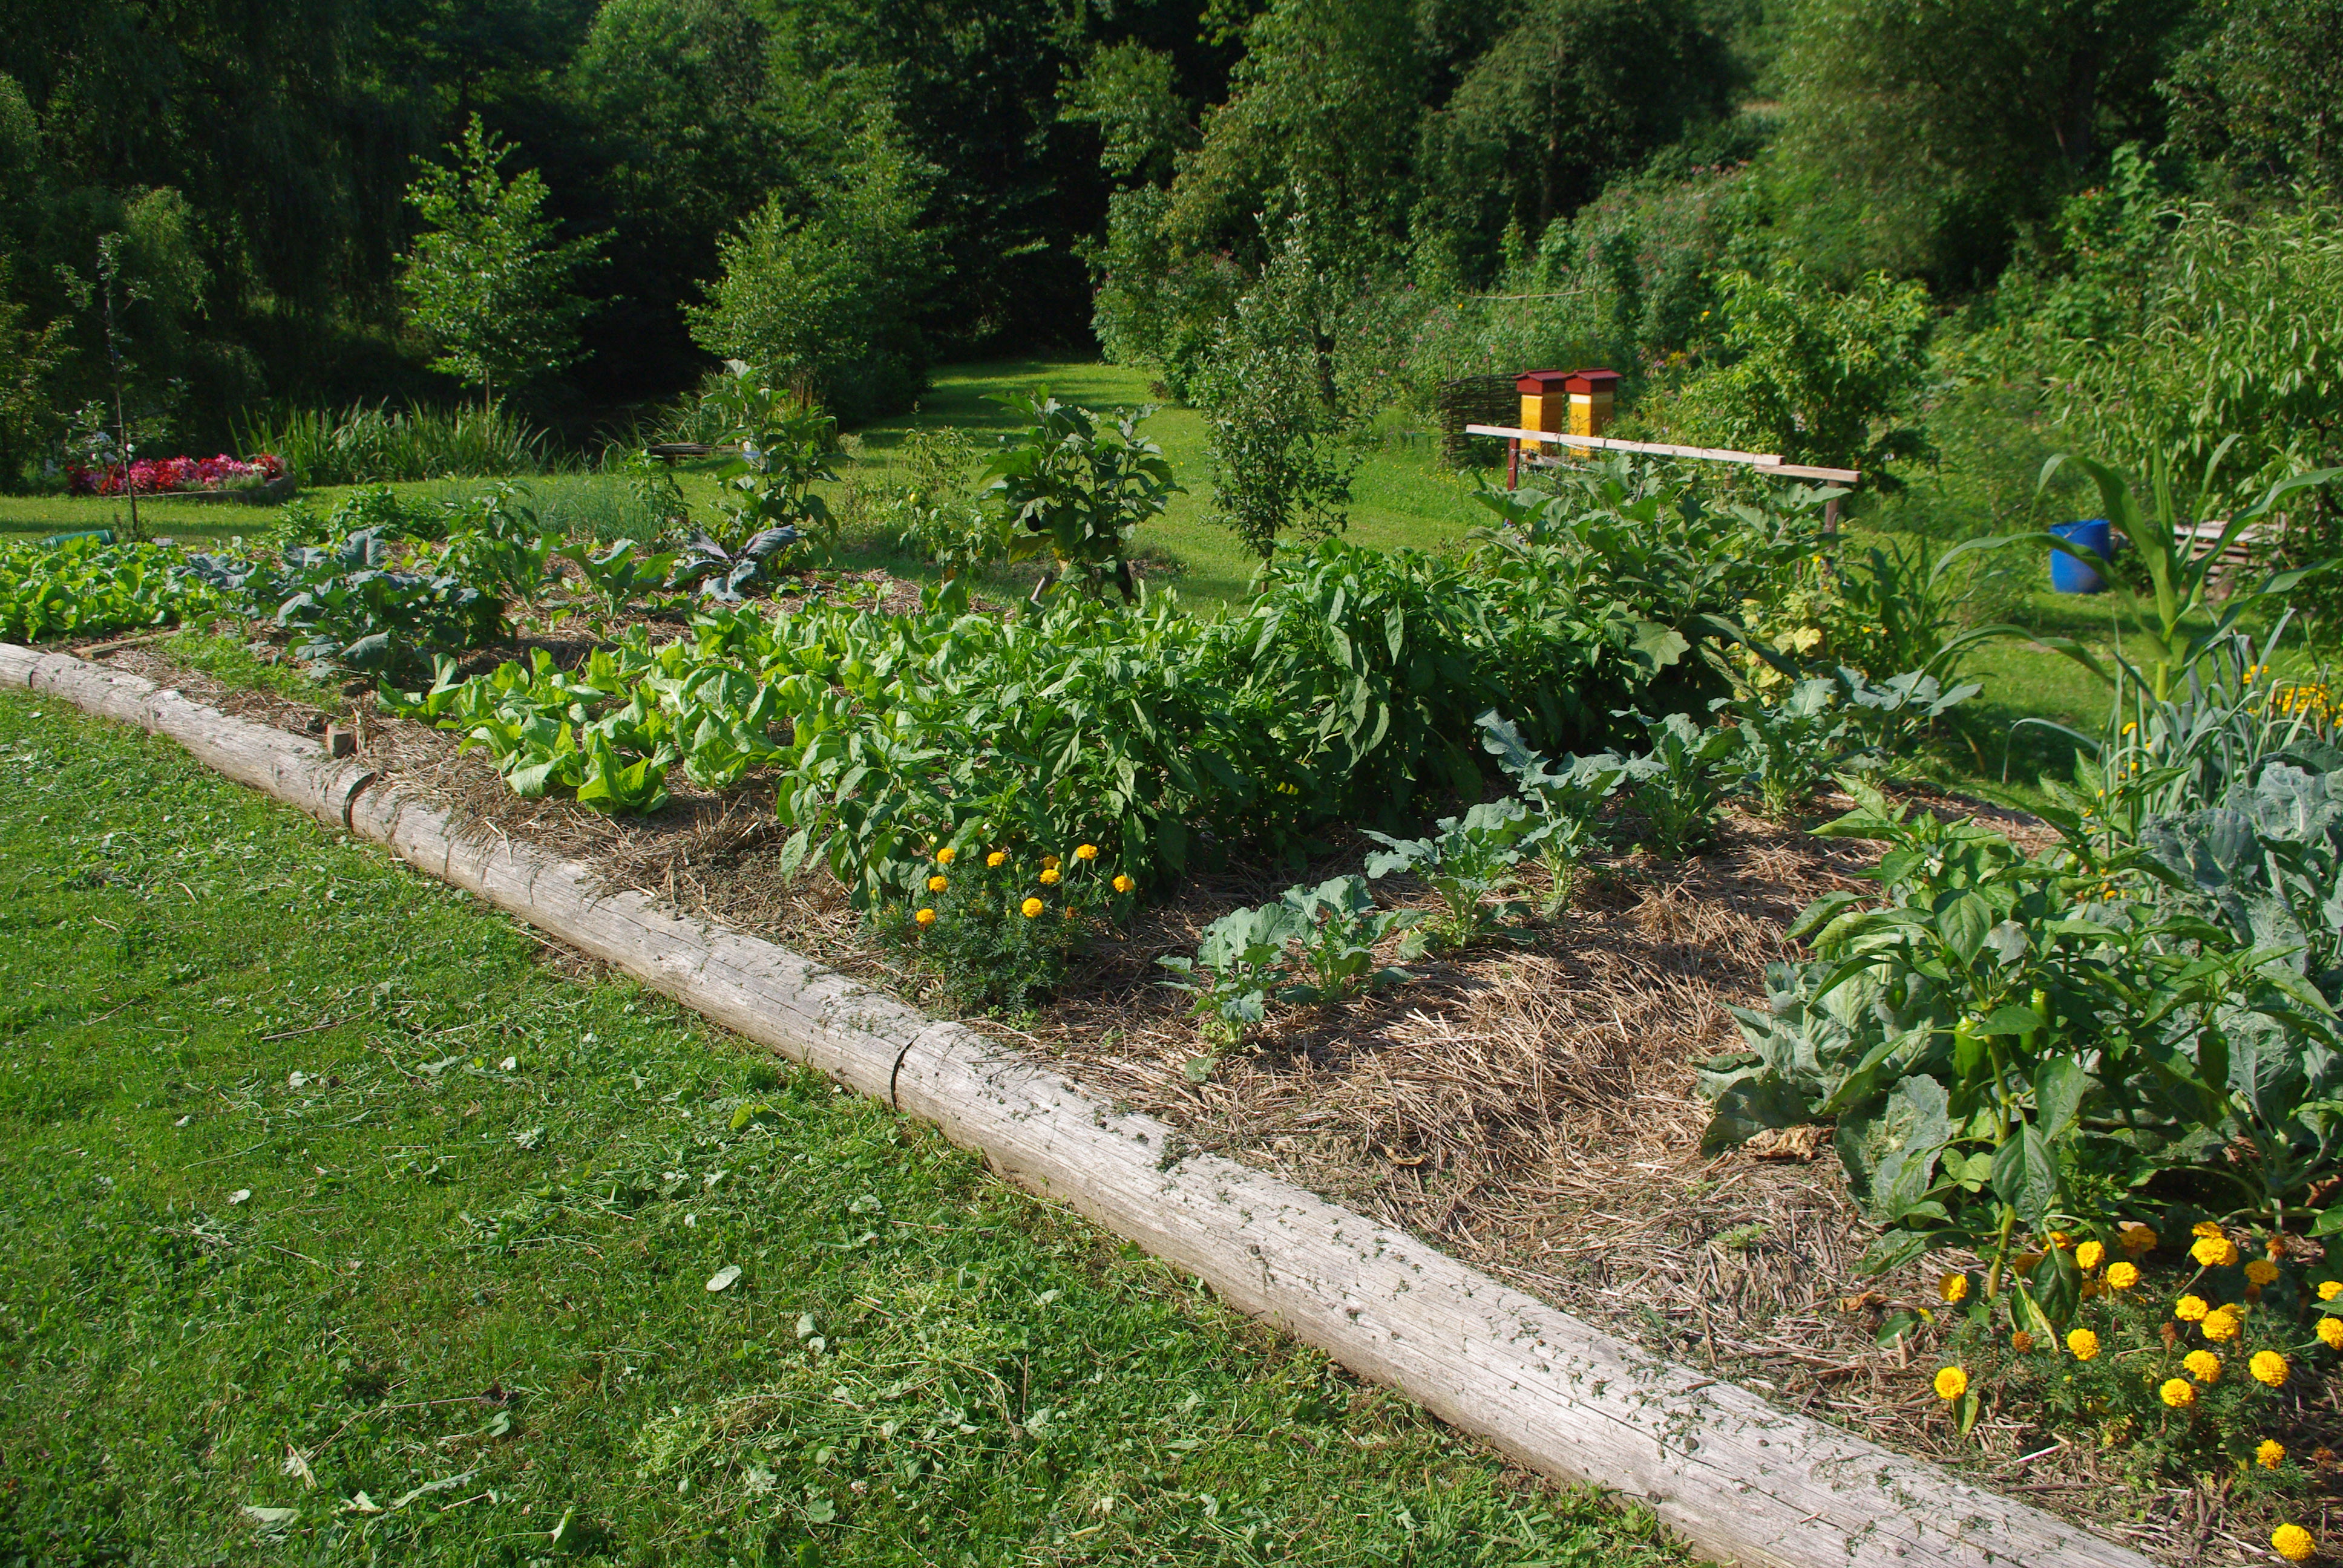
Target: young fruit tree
(487, 280)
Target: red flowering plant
(162, 475)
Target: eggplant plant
(1078, 491)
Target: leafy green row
(85, 589)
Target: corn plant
(2169, 621)
(1470, 857)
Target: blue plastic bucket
(2072, 573)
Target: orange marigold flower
(2221, 1325)
(2203, 1365)
(938, 884)
(1123, 884)
(947, 855)
(926, 917)
(2135, 1238)
(2269, 1368)
(2262, 1271)
(2205, 1231)
(996, 858)
(1086, 852)
(2270, 1454)
(2179, 1393)
(1048, 875)
(2191, 1309)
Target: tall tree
(488, 281)
(1922, 135)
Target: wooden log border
(1741, 1479)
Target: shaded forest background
(1713, 196)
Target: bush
(380, 446)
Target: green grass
(337, 1225)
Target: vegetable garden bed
(1501, 1036)
(1530, 1111)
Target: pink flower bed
(159, 475)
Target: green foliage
(29, 359)
(1566, 799)
(83, 588)
(2261, 93)
(377, 445)
(1905, 605)
(1080, 489)
(993, 928)
(1681, 790)
(1469, 859)
(937, 512)
(786, 448)
(2016, 1040)
(618, 575)
(1892, 713)
(487, 280)
(824, 299)
(1788, 750)
(1312, 945)
(1275, 419)
(1813, 374)
(2173, 620)
(1566, 96)
(2222, 377)
(1922, 139)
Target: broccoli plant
(1566, 799)
(1470, 857)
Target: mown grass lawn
(337, 1225)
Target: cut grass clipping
(340, 1226)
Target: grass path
(337, 1225)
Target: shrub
(1078, 490)
(992, 926)
(377, 445)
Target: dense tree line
(854, 188)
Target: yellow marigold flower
(2089, 1255)
(2135, 1238)
(2269, 1453)
(926, 917)
(938, 884)
(2122, 1276)
(1030, 908)
(2059, 1240)
(2330, 1333)
(1953, 1287)
(2021, 1342)
(996, 858)
(1123, 884)
(2268, 1367)
(1951, 1382)
(2293, 1542)
(2203, 1365)
(2262, 1271)
(2329, 1289)
(947, 855)
(2205, 1231)
(2207, 1250)
(1049, 862)
(2221, 1325)
(1048, 875)
(2191, 1309)
(1086, 852)
(2179, 1393)
(2084, 1344)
